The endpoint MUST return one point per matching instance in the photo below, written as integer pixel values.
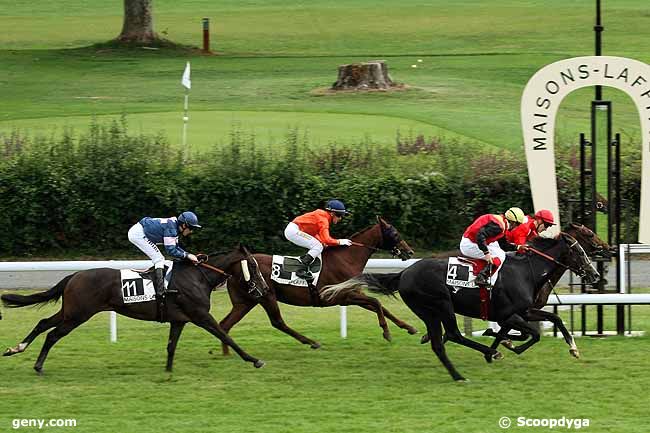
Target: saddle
(459, 275)
(284, 271)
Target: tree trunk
(138, 22)
(362, 76)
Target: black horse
(88, 292)
(423, 288)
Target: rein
(546, 256)
(215, 269)
(359, 244)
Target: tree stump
(364, 76)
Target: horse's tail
(386, 284)
(52, 295)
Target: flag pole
(187, 83)
(186, 150)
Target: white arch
(541, 100)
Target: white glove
(192, 258)
(345, 242)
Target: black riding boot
(159, 282)
(305, 273)
(483, 277)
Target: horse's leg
(237, 313)
(534, 314)
(205, 320)
(517, 322)
(402, 324)
(452, 332)
(371, 304)
(53, 336)
(275, 316)
(175, 329)
(42, 326)
(435, 331)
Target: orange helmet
(546, 216)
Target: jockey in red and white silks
(480, 240)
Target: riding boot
(159, 282)
(483, 277)
(305, 273)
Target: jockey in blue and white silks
(149, 232)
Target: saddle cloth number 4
(459, 274)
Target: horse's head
(251, 273)
(590, 242)
(577, 260)
(392, 241)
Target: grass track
(362, 384)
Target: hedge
(83, 193)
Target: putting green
(209, 128)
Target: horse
(593, 246)
(339, 264)
(423, 288)
(88, 292)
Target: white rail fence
(373, 266)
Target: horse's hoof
(259, 363)
(315, 345)
(411, 330)
(461, 379)
(508, 344)
(488, 358)
(425, 339)
(387, 337)
(39, 370)
(497, 355)
(9, 352)
(575, 353)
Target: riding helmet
(190, 219)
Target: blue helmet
(190, 219)
(337, 207)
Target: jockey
(520, 235)
(312, 230)
(148, 232)
(530, 228)
(480, 240)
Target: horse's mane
(542, 243)
(360, 232)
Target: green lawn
(360, 384)
(273, 58)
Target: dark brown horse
(339, 264)
(88, 292)
(593, 246)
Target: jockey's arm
(170, 241)
(325, 237)
(489, 230)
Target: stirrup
(305, 275)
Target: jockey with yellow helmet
(480, 240)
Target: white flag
(185, 81)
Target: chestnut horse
(339, 264)
(86, 293)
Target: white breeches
(471, 249)
(302, 239)
(137, 237)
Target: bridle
(579, 271)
